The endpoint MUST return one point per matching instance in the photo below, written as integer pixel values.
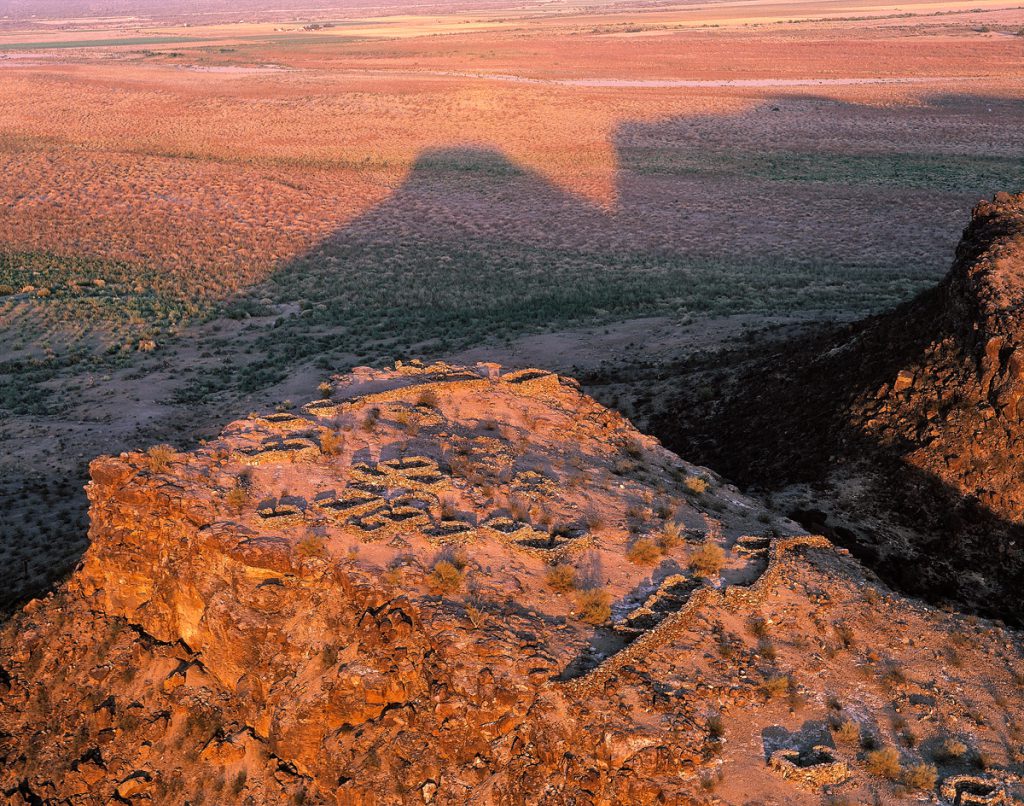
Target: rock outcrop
(908, 427)
(455, 585)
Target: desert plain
(206, 214)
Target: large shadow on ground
(712, 214)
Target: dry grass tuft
(457, 556)
(158, 457)
(519, 508)
(594, 606)
(708, 560)
(409, 421)
(884, 763)
(428, 399)
(716, 725)
(848, 732)
(844, 632)
(331, 443)
(777, 686)
(920, 776)
(445, 578)
(634, 448)
(644, 551)
(696, 484)
(237, 498)
(951, 750)
(370, 421)
(893, 677)
(592, 518)
(561, 577)
(310, 547)
(670, 536)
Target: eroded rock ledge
(445, 585)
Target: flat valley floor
(197, 220)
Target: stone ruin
(812, 768)
(993, 789)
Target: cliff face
(907, 426)
(453, 585)
(954, 407)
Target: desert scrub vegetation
(643, 551)
(707, 560)
(696, 484)
(593, 606)
(493, 290)
(158, 457)
(946, 172)
(757, 626)
(592, 518)
(238, 782)
(75, 294)
(446, 577)
(845, 634)
(715, 725)
(428, 399)
(561, 577)
(892, 676)
(951, 749)
(884, 763)
(669, 537)
(236, 498)
(408, 281)
(848, 732)
(776, 686)
(311, 546)
(633, 448)
(920, 776)
(331, 443)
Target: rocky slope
(452, 585)
(900, 436)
